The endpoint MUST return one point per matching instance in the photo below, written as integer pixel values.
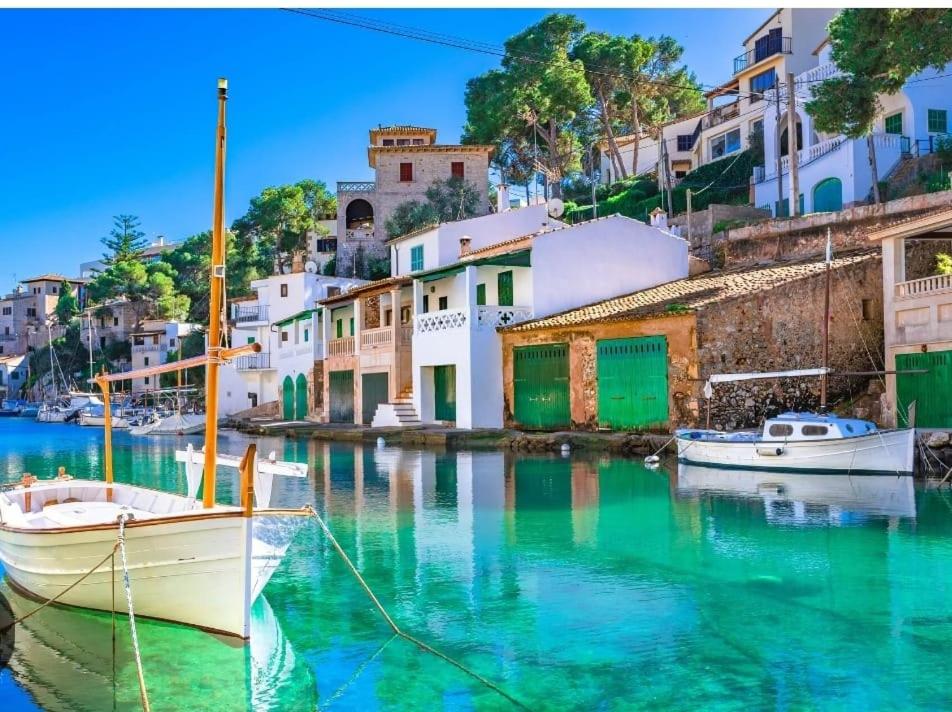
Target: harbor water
(582, 582)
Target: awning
(300, 316)
(519, 258)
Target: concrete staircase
(398, 413)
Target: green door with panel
(287, 398)
(300, 397)
(444, 393)
(828, 196)
(540, 384)
(931, 392)
(505, 289)
(374, 390)
(632, 382)
(342, 396)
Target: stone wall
(782, 330)
(703, 221)
(793, 238)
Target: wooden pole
(779, 151)
(690, 234)
(247, 471)
(826, 320)
(215, 305)
(107, 433)
(792, 149)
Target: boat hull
(99, 421)
(885, 452)
(188, 569)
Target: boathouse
(639, 361)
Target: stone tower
(405, 160)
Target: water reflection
(576, 582)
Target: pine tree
(125, 241)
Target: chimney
(659, 219)
(297, 262)
(502, 198)
(161, 240)
(464, 246)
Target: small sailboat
(817, 442)
(190, 560)
(95, 416)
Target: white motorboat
(95, 417)
(52, 413)
(175, 424)
(803, 442)
(201, 563)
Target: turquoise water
(587, 582)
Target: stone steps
(398, 413)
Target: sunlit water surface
(584, 582)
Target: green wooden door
(287, 398)
(444, 393)
(374, 390)
(300, 397)
(541, 386)
(828, 196)
(504, 287)
(931, 392)
(632, 382)
(342, 396)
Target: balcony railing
(247, 314)
(923, 287)
(772, 46)
(253, 362)
(341, 347)
(481, 317)
(147, 348)
(356, 186)
(359, 234)
(490, 317)
(8, 337)
(376, 338)
(722, 114)
(804, 156)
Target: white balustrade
(341, 347)
(443, 320)
(924, 286)
(491, 317)
(376, 338)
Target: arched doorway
(359, 215)
(828, 196)
(287, 398)
(784, 144)
(300, 397)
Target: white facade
(834, 171)
(151, 346)
(13, 371)
(457, 309)
(441, 244)
(287, 349)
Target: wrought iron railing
(722, 114)
(772, 46)
(246, 314)
(253, 362)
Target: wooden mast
(826, 321)
(215, 305)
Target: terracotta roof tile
(694, 293)
(376, 285)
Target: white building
(835, 172)
(464, 288)
(152, 253)
(285, 319)
(13, 372)
(152, 342)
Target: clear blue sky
(108, 112)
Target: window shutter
(406, 172)
(504, 285)
(480, 294)
(456, 169)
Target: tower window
(406, 172)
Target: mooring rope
(393, 626)
(62, 593)
(132, 616)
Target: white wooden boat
(198, 563)
(97, 419)
(803, 442)
(175, 424)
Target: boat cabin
(812, 426)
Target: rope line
(394, 627)
(132, 616)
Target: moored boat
(803, 442)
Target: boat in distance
(803, 442)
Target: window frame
(786, 428)
(458, 169)
(934, 113)
(416, 258)
(723, 137)
(443, 303)
(406, 172)
(886, 121)
(284, 290)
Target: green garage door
(300, 397)
(932, 391)
(373, 392)
(287, 398)
(632, 382)
(540, 384)
(828, 196)
(342, 396)
(444, 393)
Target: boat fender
(566, 448)
(770, 451)
(380, 443)
(652, 461)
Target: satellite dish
(310, 266)
(556, 207)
